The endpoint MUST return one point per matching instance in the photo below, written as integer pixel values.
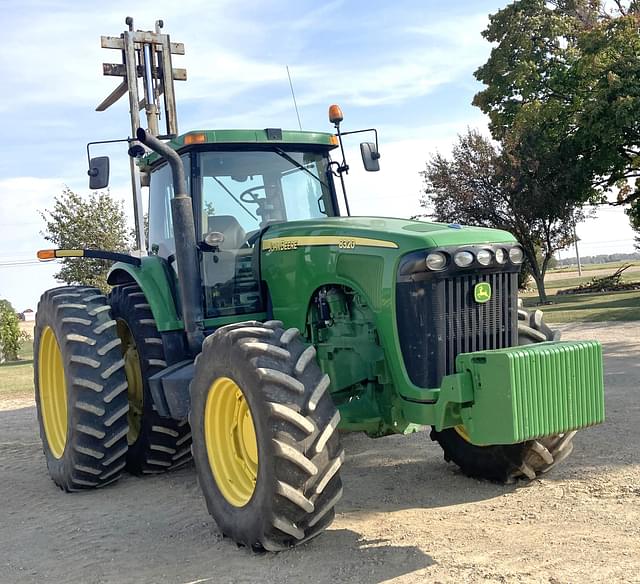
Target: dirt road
(406, 515)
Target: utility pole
(575, 243)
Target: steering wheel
(249, 196)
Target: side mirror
(370, 156)
(98, 172)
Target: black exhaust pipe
(184, 233)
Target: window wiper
(233, 197)
(295, 163)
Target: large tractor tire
(156, 444)
(506, 463)
(265, 444)
(81, 389)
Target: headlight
(463, 259)
(484, 257)
(436, 260)
(501, 255)
(516, 255)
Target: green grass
(614, 306)
(17, 376)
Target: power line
(20, 265)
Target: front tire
(507, 462)
(265, 445)
(81, 389)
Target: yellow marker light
(46, 254)
(335, 114)
(334, 140)
(52, 254)
(198, 138)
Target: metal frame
(145, 55)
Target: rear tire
(294, 481)
(81, 389)
(156, 444)
(507, 462)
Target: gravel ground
(406, 516)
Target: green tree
(10, 335)
(482, 184)
(96, 221)
(563, 91)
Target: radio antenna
(293, 95)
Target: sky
(405, 67)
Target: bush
(10, 334)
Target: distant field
(592, 267)
(572, 282)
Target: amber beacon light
(335, 114)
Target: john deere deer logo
(482, 292)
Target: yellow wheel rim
(133, 372)
(230, 439)
(53, 392)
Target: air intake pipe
(184, 233)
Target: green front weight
(515, 394)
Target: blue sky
(405, 67)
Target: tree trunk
(537, 273)
(539, 279)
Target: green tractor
(262, 322)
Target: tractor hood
(385, 232)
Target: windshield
(249, 190)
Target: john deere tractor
(262, 320)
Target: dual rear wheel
(93, 359)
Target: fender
(158, 282)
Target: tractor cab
(240, 182)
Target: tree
(10, 335)
(485, 185)
(97, 222)
(563, 91)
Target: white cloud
(20, 239)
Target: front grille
(438, 318)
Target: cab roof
(268, 136)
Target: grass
(16, 377)
(613, 306)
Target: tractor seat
(234, 235)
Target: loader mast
(146, 55)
